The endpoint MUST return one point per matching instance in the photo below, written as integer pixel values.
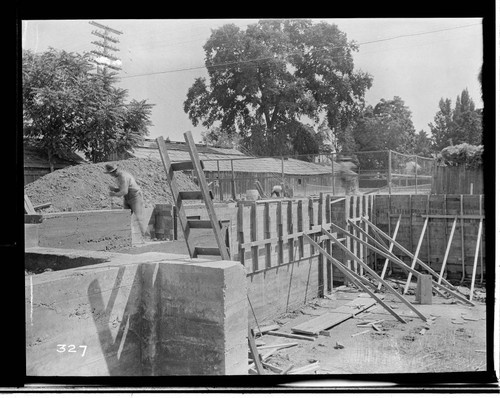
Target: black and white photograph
(282, 201)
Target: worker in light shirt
(131, 192)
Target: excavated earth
(85, 187)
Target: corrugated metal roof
(182, 146)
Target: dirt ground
(85, 187)
(453, 339)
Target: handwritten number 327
(70, 348)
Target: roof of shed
(247, 165)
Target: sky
(420, 60)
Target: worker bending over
(131, 192)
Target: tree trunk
(50, 158)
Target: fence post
(283, 174)
(333, 176)
(220, 183)
(416, 174)
(389, 174)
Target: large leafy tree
(459, 125)
(68, 106)
(265, 79)
(388, 125)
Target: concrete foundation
(133, 315)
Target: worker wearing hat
(130, 190)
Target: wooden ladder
(203, 194)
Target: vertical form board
(481, 207)
(428, 257)
(290, 229)
(279, 227)
(348, 228)
(175, 194)
(423, 294)
(321, 265)
(437, 230)
(300, 228)
(478, 242)
(310, 212)
(267, 234)
(354, 243)
(254, 235)
(328, 244)
(241, 232)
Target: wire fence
(249, 176)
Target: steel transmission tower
(105, 59)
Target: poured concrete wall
(90, 230)
(133, 315)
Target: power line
(293, 53)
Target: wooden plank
(191, 195)
(415, 257)
(28, 206)
(264, 329)
(452, 216)
(375, 276)
(447, 252)
(291, 336)
(351, 275)
(326, 321)
(42, 206)
(253, 236)
(289, 221)
(300, 227)
(391, 246)
(478, 243)
(254, 352)
(284, 345)
(207, 198)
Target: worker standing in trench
(131, 192)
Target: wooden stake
(254, 352)
(374, 275)
(391, 246)
(475, 259)
(415, 257)
(448, 246)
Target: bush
(464, 154)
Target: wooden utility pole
(104, 46)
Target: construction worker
(276, 192)
(131, 192)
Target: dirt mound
(85, 187)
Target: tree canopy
(388, 125)
(459, 125)
(67, 106)
(267, 78)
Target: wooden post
(481, 243)
(463, 236)
(310, 210)
(253, 234)
(328, 244)
(347, 227)
(389, 174)
(423, 294)
(333, 175)
(233, 183)
(283, 174)
(220, 183)
(416, 174)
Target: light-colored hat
(110, 168)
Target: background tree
(67, 107)
(453, 126)
(216, 137)
(265, 79)
(388, 125)
(423, 144)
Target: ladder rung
(188, 165)
(206, 251)
(200, 224)
(190, 195)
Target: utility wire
(291, 53)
